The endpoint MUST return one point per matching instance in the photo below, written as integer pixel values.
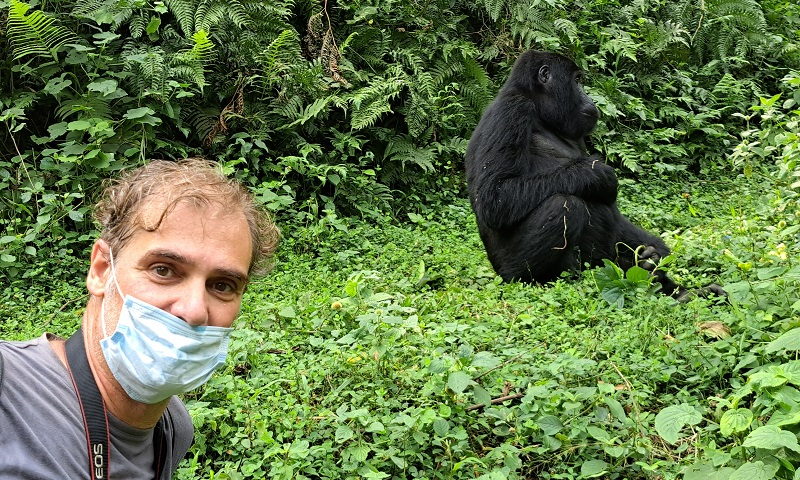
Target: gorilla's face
(564, 107)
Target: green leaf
(8, 258)
(57, 129)
(550, 424)
(772, 437)
(735, 421)
(78, 125)
(638, 275)
(140, 112)
(56, 85)
(287, 312)
(781, 418)
(7, 239)
(75, 215)
(481, 395)
(671, 420)
(593, 468)
(789, 341)
(153, 24)
(599, 434)
(441, 427)
(105, 87)
(755, 471)
(459, 381)
(343, 434)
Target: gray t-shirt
(42, 435)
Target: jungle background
(382, 345)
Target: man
(178, 244)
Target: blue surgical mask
(154, 354)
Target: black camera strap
(95, 417)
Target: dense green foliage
(375, 348)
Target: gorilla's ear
(544, 74)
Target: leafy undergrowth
(393, 351)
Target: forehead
(207, 234)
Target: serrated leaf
(772, 437)
(788, 341)
(671, 420)
(441, 427)
(459, 381)
(735, 421)
(755, 471)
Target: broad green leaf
(550, 424)
(485, 360)
(106, 87)
(140, 112)
(75, 215)
(376, 427)
(78, 125)
(671, 420)
(593, 468)
(772, 437)
(287, 312)
(481, 395)
(782, 418)
(459, 381)
(599, 434)
(441, 427)
(755, 471)
(56, 85)
(638, 275)
(7, 239)
(8, 258)
(616, 408)
(705, 471)
(152, 26)
(57, 129)
(735, 421)
(343, 434)
(788, 341)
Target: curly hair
(200, 182)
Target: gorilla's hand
(649, 258)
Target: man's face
(193, 266)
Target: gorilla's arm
(503, 201)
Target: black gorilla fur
(542, 203)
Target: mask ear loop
(119, 290)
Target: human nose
(192, 305)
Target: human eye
(162, 271)
(225, 288)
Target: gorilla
(543, 204)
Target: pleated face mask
(154, 354)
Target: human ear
(99, 269)
(544, 74)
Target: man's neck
(117, 402)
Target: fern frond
(36, 33)
(183, 11)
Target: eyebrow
(177, 257)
